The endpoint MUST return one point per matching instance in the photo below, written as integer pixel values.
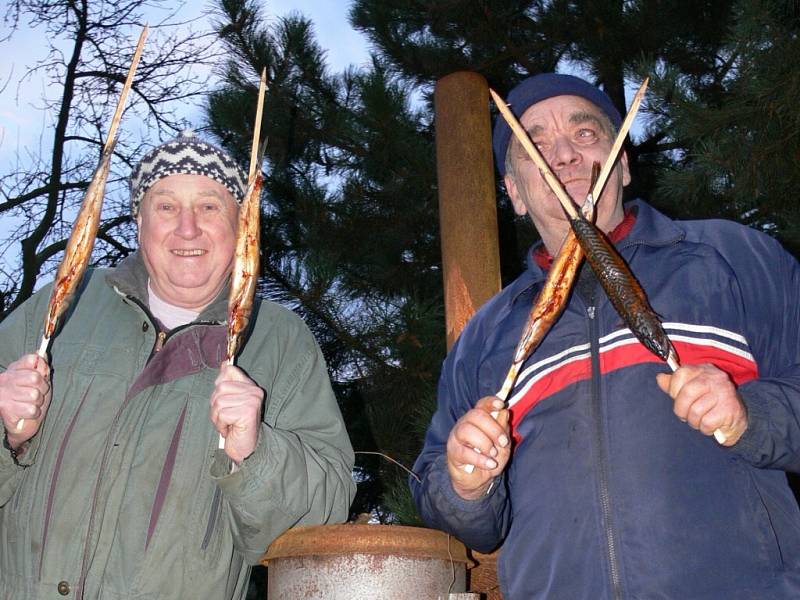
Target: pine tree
(738, 131)
(349, 233)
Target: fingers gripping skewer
(81, 240)
(41, 353)
(719, 435)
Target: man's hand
(705, 397)
(490, 435)
(236, 411)
(24, 394)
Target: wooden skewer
(547, 173)
(137, 54)
(98, 180)
(597, 189)
(262, 88)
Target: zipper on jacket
(95, 500)
(160, 340)
(162, 335)
(602, 458)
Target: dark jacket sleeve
(768, 281)
(481, 524)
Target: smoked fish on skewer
(549, 303)
(78, 250)
(84, 230)
(245, 268)
(552, 298)
(244, 274)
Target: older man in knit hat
(601, 477)
(119, 491)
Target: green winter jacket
(123, 493)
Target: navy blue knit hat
(541, 87)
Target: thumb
(503, 417)
(663, 381)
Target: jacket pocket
(763, 531)
(213, 519)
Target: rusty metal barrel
(380, 562)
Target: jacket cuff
(442, 485)
(228, 480)
(7, 463)
(23, 456)
(755, 442)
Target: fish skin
(80, 244)
(622, 288)
(244, 275)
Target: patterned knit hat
(190, 155)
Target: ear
(626, 174)
(514, 194)
(139, 225)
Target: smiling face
(187, 235)
(571, 133)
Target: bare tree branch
(89, 47)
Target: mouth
(577, 188)
(575, 180)
(188, 252)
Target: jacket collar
(652, 228)
(130, 279)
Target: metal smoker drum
(380, 562)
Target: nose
(187, 225)
(564, 153)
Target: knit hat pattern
(541, 87)
(190, 155)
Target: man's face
(187, 235)
(571, 133)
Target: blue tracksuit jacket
(608, 494)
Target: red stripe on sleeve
(741, 369)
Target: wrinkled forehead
(560, 111)
(190, 186)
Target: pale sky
(21, 124)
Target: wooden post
(467, 203)
(468, 224)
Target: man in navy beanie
(601, 477)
